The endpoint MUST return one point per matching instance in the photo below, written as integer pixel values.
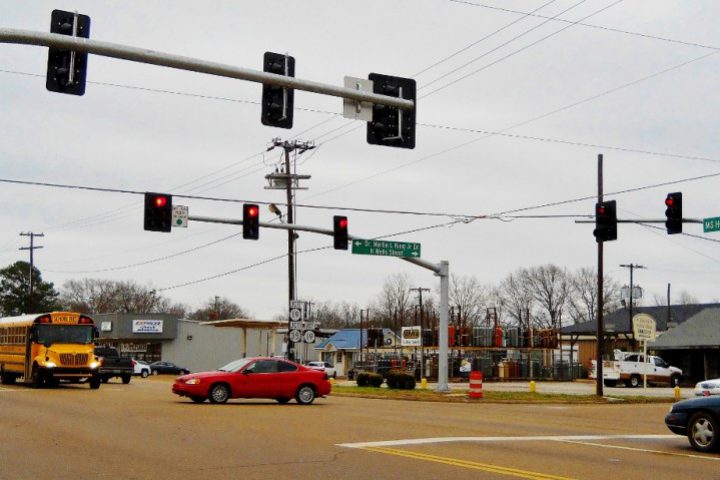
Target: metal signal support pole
(600, 327)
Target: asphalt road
(142, 431)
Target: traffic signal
(158, 212)
(340, 232)
(66, 70)
(673, 212)
(277, 102)
(391, 126)
(605, 221)
(251, 221)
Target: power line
(458, 52)
(517, 37)
(589, 25)
(359, 209)
(518, 50)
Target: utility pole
(32, 248)
(420, 291)
(286, 179)
(631, 266)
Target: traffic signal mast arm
(323, 231)
(143, 55)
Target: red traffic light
(252, 212)
(160, 201)
(343, 223)
(669, 201)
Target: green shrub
(400, 380)
(369, 379)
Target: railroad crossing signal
(605, 221)
(158, 212)
(66, 69)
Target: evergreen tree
(15, 291)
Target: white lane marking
(423, 441)
(645, 450)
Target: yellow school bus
(46, 348)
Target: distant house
(581, 337)
(344, 348)
(693, 345)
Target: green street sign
(711, 224)
(386, 248)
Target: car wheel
(219, 393)
(105, 379)
(144, 374)
(634, 381)
(282, 401)
(197, 399)
(125, 379)
(703, 432)
(305, 395)
(675, 381)
(95, 382)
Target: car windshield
(236, 365)
(50, 334)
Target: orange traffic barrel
(476, 385)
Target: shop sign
(147, 326)
(411, 337)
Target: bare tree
(394, 304)
(516, 298)
(550, 288)
(107, 296)
(470, 296)
(582, 304)
(219, 308)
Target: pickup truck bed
(113, 365)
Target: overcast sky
(513, 111)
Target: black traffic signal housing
(158, 212)
(340, 232)
(66, 70)
(673, 212)
(605, 221)
(251, 221)
(391, 126)
(277, 102)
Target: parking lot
(142, 431)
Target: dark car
(167, 367)
(699, 419)
(259, 377)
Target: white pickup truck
(629, 367)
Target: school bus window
(49, 334)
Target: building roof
(246, 323)
(699, 331)
(619, 321)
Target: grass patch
(427, 395)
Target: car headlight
(50, 365)
(193, 381)
(94, 365)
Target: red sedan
(255, 378)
